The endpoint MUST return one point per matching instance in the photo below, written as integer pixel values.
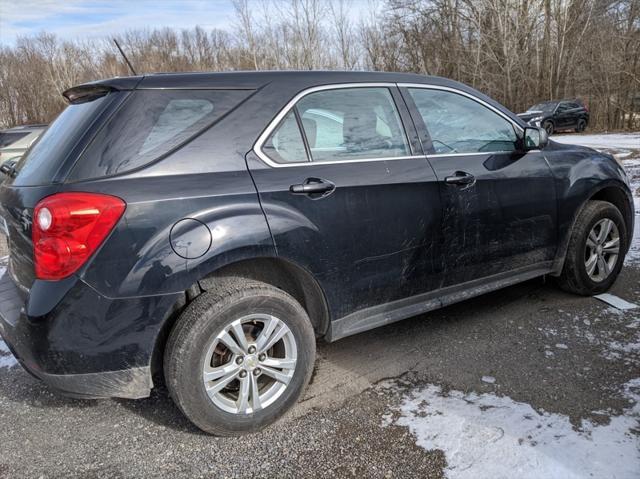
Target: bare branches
(518, 51)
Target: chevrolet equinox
(205, 229)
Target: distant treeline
(518, 51)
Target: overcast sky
(78, 19)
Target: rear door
(499, 204)
(349, 195)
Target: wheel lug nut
(256, 372)
(252, 349)
(239, 360)
(243, 374)
(262, 357)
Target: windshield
(545, 106)
(42, 161)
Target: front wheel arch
(612, 192)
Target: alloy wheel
(249, 364)
(603, 248)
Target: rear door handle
(313, 186)
(461, 178)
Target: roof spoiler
(84, 93)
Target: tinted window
(286, 145)
(150, 124)
(546, 106)
(458, 124)
(352, 124)
(42, 161)
(7, 138)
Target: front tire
(239, 357)
(596, 250)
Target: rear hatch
(41, 170)
(106, 131)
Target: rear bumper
(134, 383)
(79, 342)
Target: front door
(499, 204)
(349, 197)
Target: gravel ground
(556, 352)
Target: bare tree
(518, 51)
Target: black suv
(558, 115)
(208, 228)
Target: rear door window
(286, 145)
(150, 124)
(341, 124)
(352, 124)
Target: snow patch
(488, 379)
(484, 435)
(611, 140)
(7, 361)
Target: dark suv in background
(208, 228)
(558, 115)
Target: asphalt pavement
(562, 355)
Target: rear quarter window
(150, 124)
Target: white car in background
(15, 141)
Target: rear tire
(582, 125)
(548, 125)
(205, 349)
(590, 266)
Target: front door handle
(461, 178)
(313, 186)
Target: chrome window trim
(257, 147)
(475, 153)
(264, 136)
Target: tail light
(68, 228)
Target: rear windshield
(42, 161)
(9, 137)
(150, 124)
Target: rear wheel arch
(283, 274)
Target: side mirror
(535, 138)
